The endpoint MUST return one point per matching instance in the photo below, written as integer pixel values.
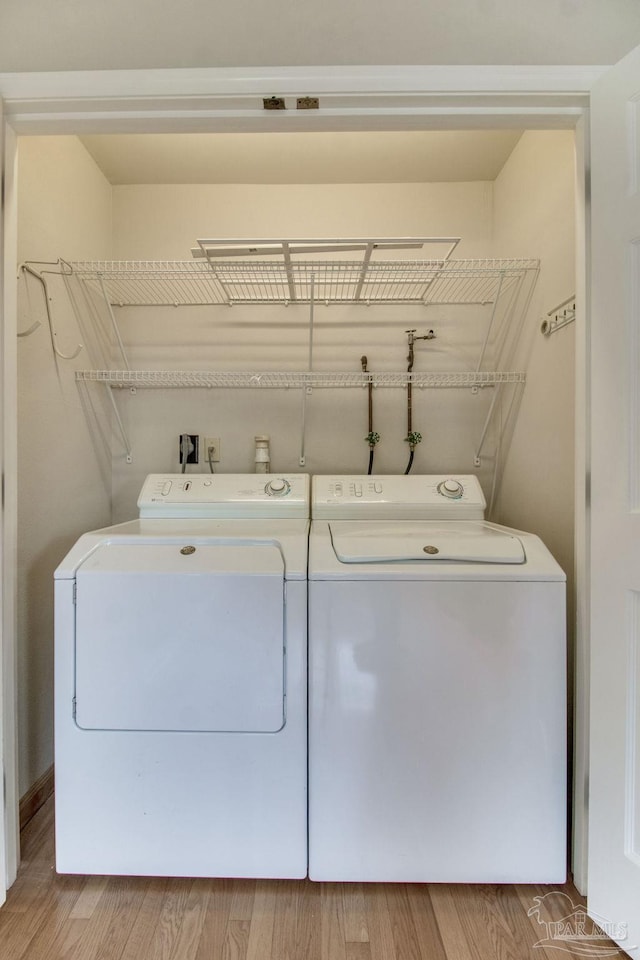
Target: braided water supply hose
(372, 438)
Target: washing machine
(181, 684)
(437, 713)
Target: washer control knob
(451, 488)
(278, 487)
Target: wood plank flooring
(50, 917)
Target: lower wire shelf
(307, 381)
(284, 380)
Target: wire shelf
(199, 283)
(284, 380)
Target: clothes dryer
(181, 684)
(437, 714)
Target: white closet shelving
(284, 380)
(225, 272)
(197, 283)
(313, 272)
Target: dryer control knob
(278, 487)
(452, 489)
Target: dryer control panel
(218, 495)
(415, 497)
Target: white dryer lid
(181, 557)
(180, 637)
(427, 541)
(289, 537)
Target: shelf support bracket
(306, 389)
(114, 324)
(491, 322)
(488, 418)
(363, 270)
(286, 252)
(123, 432)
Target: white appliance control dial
(279, 487)
(451, 488)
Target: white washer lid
(427, 541)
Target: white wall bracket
(561, 316)
(123, 432)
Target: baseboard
(38, 794)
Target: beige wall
(64, 208)
(164, 222)
(534, 211)
(534, 216)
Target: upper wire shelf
(237, 281)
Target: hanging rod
(561, 316)
(286, 379)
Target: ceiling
(37, 35)
(344, 157)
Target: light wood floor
(50, 917)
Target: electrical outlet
(210, 442)
(191, 447)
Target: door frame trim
(351, 98)
(354, 98)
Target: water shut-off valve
(413, 439)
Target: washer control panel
(219, 495)
(419, 497)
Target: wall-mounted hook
(36, 323)
(559, 317)
(32, 329)
(25, 268)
